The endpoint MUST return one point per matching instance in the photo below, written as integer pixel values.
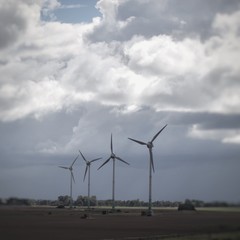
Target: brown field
(50, 223)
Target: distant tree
(18, 201)
(93, 201)
(79, 201)
(83, 201)
(64, 200)
(197, 203)
(216, 204)
(186, 206)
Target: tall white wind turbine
(151, 166)
(113, 157)
(88, 167)
(71, 178)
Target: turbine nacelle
(71, 166)
(150, 145)
(88, 164)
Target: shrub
(186, 206)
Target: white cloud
(54, 66)
(48, 147)
(44, 97)
(222, 135)
(51, 4)
(233, 139)
(163, 56)
(141, 65)
(227, 24)
(48, 7)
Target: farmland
(52, 223)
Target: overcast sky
(73, 72)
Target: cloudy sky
(73, 72)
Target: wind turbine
(88, 165)
(151, 166)
(71, 178)
(113, 157)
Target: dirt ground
(51, 223)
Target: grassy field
(219, 209)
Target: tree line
(81, 201)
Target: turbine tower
(71, 178)
(113, 157)
(88, 165)
(151, 166)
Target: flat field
(52, 223)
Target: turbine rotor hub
(149, 145)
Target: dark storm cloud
(64, 133)
(13, 23)
(207, 120)
(220, 79)
(198, 15)
(151, 18)
(177, 157)
(62, 93)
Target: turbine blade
(111, 144)
(64, 167)
(83, 156)
(142, 143)
(158, 134)
(86, 169)
(95, 160)
(105, 162)
(75, 160)
(72, 176)
(122, 160)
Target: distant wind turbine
(151, 166)
(88, 165)
(113, 157)
(71, 178)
